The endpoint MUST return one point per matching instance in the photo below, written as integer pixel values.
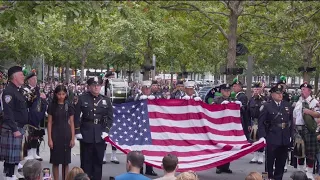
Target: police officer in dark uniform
(225, 91)
(283, 82)
(92, 127)
(15, 109)
(255, 102)
(145, 94)
(36, 116)
(276, 128)
(241, 96)
(156, 90)
(178, 92)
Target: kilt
(10, 147)
(311, 143)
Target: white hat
(189, 84)
(146, 83)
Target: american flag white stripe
(202, 136)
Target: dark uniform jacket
(241, 96)
(15, 108)
(158, 95)
(254, 105)
(38, 109)
(276, 123)
(97, 117)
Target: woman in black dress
(60, 131)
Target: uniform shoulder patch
(7, 98)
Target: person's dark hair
(54, 102)
(81, 176)
(169, 163)
(136, 158)
(299, 175)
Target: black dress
(60, 133)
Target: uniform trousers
(277, 155)
(91, 157)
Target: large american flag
(202, 136)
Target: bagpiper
(254, 105)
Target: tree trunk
(52, 73)
(48, 73)
(307, 60)
(62, 73)
(68, 71)
(235, 11)
(83, 62)
(147, 60)
(316, 78)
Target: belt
(282, 125)
(94, 121)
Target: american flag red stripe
(202, 136)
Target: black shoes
(219, 171)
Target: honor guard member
(15, 117)
(36, 116)
(225, 90)
(145, 94)
(254, 105)
(276, 128)
(306, 127)
(190, 93)
(283, 82)
(105, 90)
(241, 96)
(178, 92)
(155, 90)
(93, 127)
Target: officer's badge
(7, 98)
(227, 85)
(305, 85)
(261, 108)
(279, 86)
(104, 102)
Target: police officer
(92, 127)
(178, 92)
(225, 90)
(15, 108)
(255, 102)
(283, 82)
(241, 96)
(155, 90)
(145, 94)
(276, 128)
(36, 116)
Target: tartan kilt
(10, 147)
(311, 143)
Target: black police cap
(225, 87)
(306, 84)
(14, 69)
(257, 85)
(276, 88)
(154, 82)
(180, 82)
(94, 81)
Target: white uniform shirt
(297, 112)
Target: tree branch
(208, 17)
(207, 32)
(255, 15)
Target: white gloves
(225, 102)
(104, 135)
(151, 97)
(186, 97)
(197, 99)
(263, 139)
(239, 102)
(143, 97)
(79, 136)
